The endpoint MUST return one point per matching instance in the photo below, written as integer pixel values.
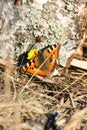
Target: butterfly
(43, 63)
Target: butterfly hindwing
(33, 68)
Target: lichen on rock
(20, 25)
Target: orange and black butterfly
(44, 62)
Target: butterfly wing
(35, 66)
(53, 52)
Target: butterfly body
(44, 62)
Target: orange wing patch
(33, 66)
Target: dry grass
(63, 95)
(75, 120)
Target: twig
(47, 80)
(70, 84)
(75, 119)
(71, 97)
(15, 91)
(79, 63)
(4, 62)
